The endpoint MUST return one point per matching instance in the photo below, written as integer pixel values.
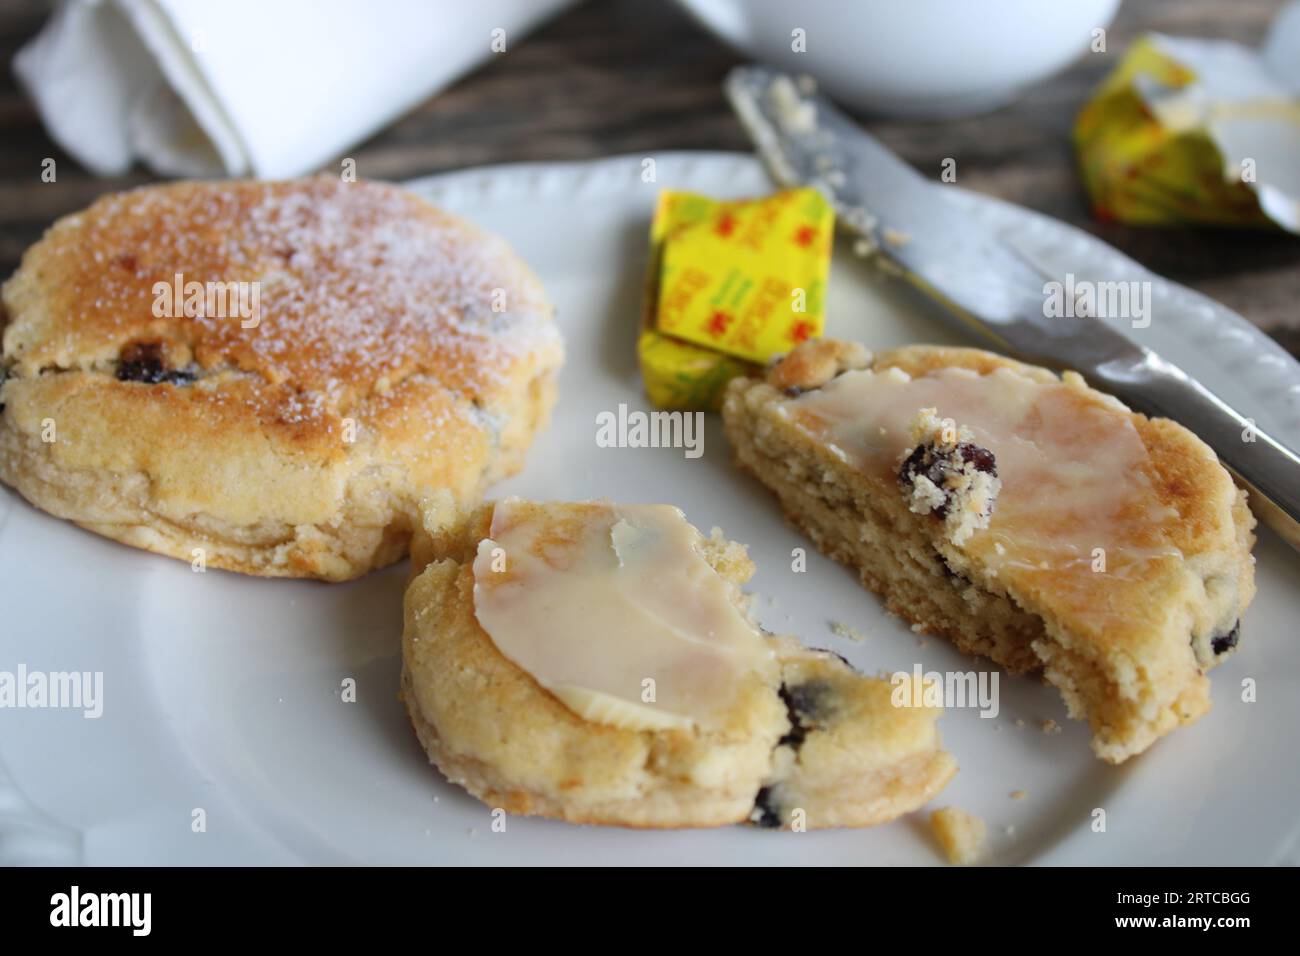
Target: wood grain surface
(636, 76)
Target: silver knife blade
(986, 285)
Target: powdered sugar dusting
(362, 286)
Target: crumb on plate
(960, 834)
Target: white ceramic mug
(933, 58)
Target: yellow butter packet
(746, 278)
(1159, 141)
(686, 377)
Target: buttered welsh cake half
(595, 663)
(1025, 516)
(268, 376)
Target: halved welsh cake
(1026, 517)
(595, 662)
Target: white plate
(222, 693)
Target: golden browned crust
(815, 363)
(1135, 675)
(396, 350)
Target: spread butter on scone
(267, 377)
(596, 663)
(1025, 516)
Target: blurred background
(608, 77)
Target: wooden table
(637, 76)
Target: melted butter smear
(1073, 468)
(594, 600)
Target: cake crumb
(946, 474)
(1050, 726)
(1018, 794)
(889, 267)
(1020, 723)
(794, 114)
(847, 631)
(859, 220)
(960, 834)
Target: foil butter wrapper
(731, 285)
(1198, 131)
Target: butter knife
(989, 287)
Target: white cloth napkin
(270, 88)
